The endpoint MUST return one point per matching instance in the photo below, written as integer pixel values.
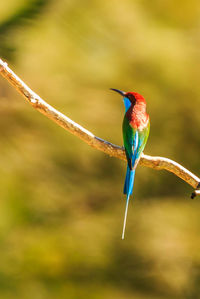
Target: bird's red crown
(135, 97)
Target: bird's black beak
(122, 93)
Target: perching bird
(135, 127)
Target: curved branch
(110, 149)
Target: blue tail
(128, 189)
(129, 180)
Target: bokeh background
(61, 202)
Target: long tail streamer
(125, 216)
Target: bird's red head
(135, 97)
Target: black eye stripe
(131, 98)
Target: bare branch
(110, 149)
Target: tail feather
(125, 217)
(128, 189)
(129, 180)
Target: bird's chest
(138, 119)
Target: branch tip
(195, 193)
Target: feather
(127, 103)
(125, 217)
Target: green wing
(134, 142)
(143, 136)
(129, 135)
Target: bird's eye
(131, 98)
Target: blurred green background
(61, 202)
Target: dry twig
(110, 149)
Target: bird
(135, 128)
